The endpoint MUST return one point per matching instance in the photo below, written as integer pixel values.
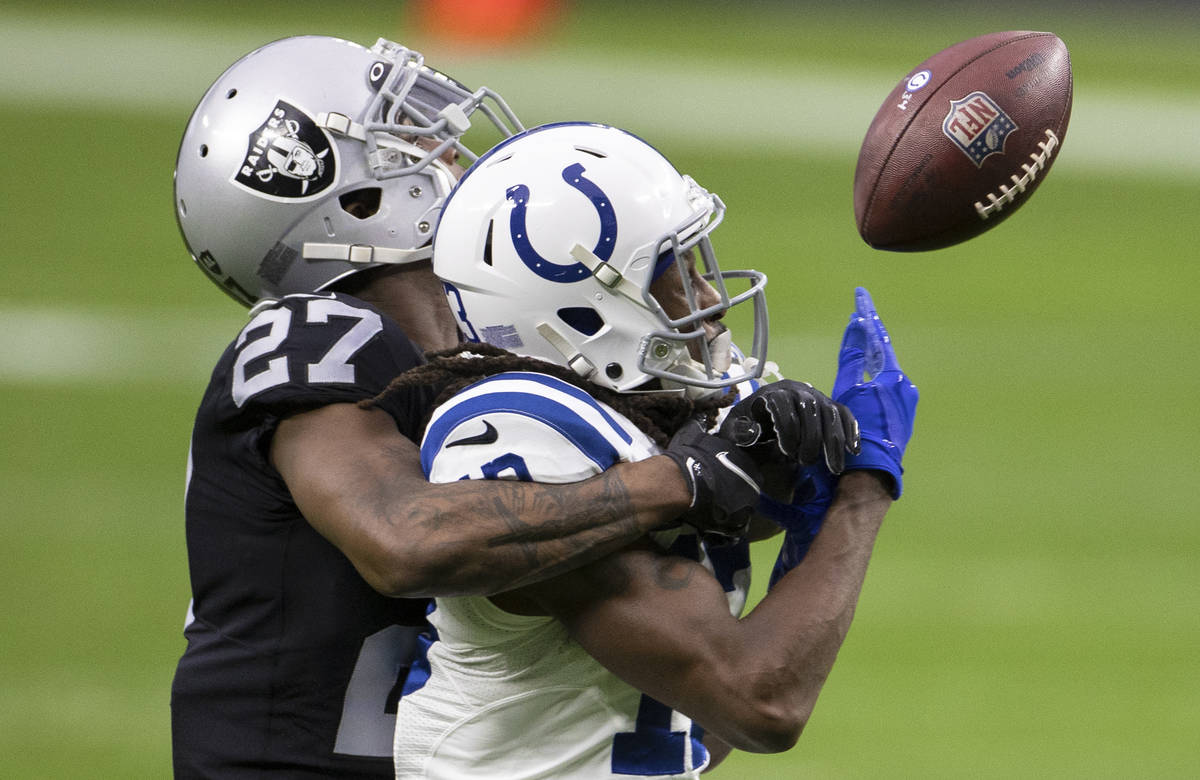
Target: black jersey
(293, 662)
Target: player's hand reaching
(793, 422)
(870, 383)
(725, 482)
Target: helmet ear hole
(487, 244)
(363, 203)
(586, 321)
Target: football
(963, 141)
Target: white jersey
(510, 696)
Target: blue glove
(801, 520)
(883, 404)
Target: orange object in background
(482, 23)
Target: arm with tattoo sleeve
(662, 624)
(409, 538)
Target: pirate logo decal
(287, 156)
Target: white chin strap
(720, 351)
(365, 253)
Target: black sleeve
(283, 628)
(308, 351)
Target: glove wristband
(875, 455)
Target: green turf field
(1032, 609)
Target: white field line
(84, 61)
(44, 346)
(74, 346)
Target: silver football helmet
(549, 244)
(313, 158)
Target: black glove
(792, 421)
(725, 482)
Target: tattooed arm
(410, 538)
(663, 625)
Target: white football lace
(1009, 194)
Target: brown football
(963, 141)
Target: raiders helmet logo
(287, 156)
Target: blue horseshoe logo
(556, 272)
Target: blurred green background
(1032, 609)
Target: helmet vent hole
(363, 203)
(231, 94)
(582, 319)
(182, 207)
(592, 152)
(204, 150)
(487, 245)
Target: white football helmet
(550, 242)
(313, 158)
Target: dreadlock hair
(658, 415)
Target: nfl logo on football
(978, 126)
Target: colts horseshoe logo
(556, 272)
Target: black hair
(657, 414)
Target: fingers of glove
(863, 305)
(852, 358)
(812, 430)
(783, 408)
(739, 425)
(742, 431)
(834, 443)
(880, 354)
(850, 426)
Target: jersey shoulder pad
(529, 426)
(312, 350)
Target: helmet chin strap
(720, 357)
(694, 392)
(720, 348)
(606, 275)
(573, 357)
(364, 253)
(586, 369)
